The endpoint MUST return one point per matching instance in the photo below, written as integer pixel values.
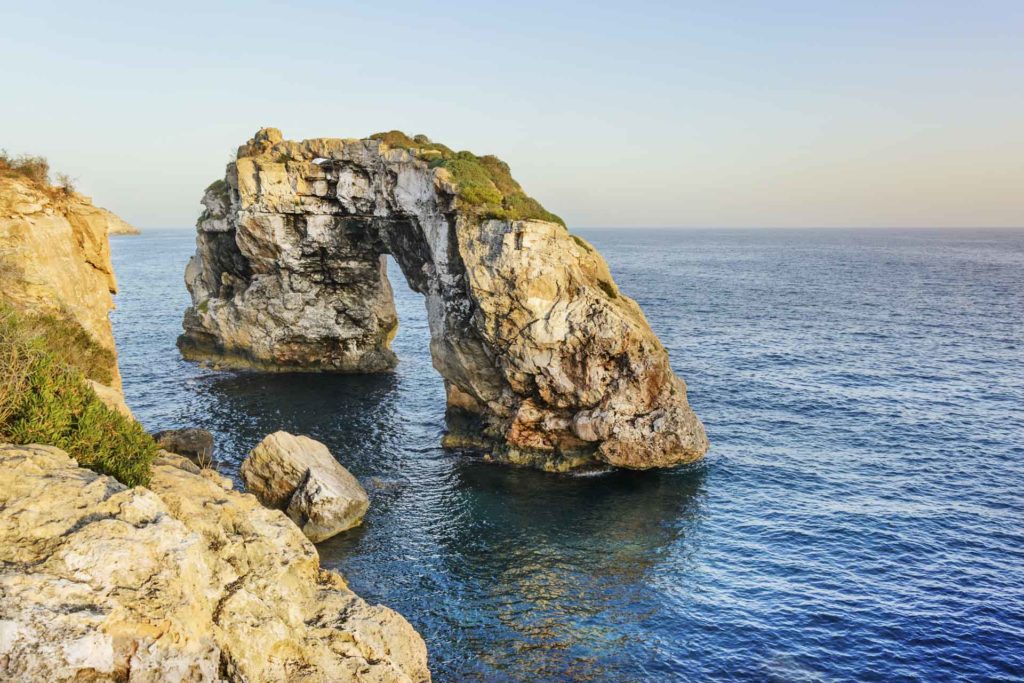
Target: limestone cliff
(545, 361)
(187, 580)
(54, 257)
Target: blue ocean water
(859, 517)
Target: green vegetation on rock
(484, 184)
(608, 288)
(582, 243)
(45, 399)
(35, 169)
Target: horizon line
(744, 227)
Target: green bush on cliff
(44, 398)
(484, 184)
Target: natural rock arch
(545, 362)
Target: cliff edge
(55, 257)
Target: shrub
(484, 184)
(36, 169)
(44, 398)
(65, 183)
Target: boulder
(187, 580)
(545, 361)
(111, 398)
(299, 475)
(192, 442)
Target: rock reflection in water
(508, 565)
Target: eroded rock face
(188, 581)
(54, 257)
(300, 476)
(545, 362)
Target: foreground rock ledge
(187, 580)
(545, 362)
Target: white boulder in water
(300, 476)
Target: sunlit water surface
(859, 516)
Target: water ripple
(859, 517)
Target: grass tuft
(608, 288)
(582, 243)
(33, 168)
(36, 170)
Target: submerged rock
(191, 442)
(299, 475)
(545, 361)
(187, 580)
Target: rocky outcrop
(54, 257)
(301, 477)
(118, 226)
(545, 361)
(188, 581)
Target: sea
(859, 517)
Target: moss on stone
(219, 186)
(484, 183)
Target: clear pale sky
(611, 113)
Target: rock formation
(545, 361)
(54, 257)
(118, 226)
(187, 580)
(301, 477)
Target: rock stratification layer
(545, 362)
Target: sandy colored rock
(299, 475)
(545, 361)
(97, 580)
(188, 581)
(54, 257)
(118, 226)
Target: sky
(617, 114)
